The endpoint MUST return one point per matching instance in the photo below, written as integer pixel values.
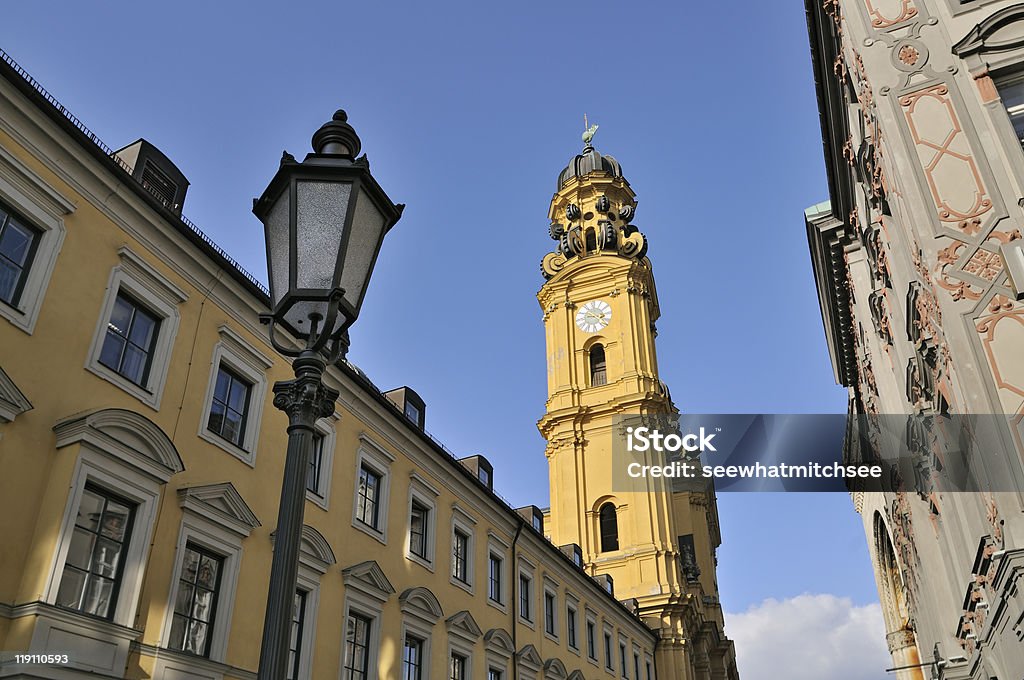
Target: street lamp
(325, 219)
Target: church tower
(600, 307)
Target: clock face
(593, 316)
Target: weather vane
(588, 133)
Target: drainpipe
(512, 605)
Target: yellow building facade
(141, 462)
(600, 307)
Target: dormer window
(159, 184)
(412, 412)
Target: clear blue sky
(468, 111)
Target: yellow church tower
(599, 303)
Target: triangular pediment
(422, 603)
(528, 656)
(12, 402)
(576, 675)
(368, 578)
(219, 503)
(463, 625)
(128, 436)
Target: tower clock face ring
(593, 316)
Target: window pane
(196, 600)
(93, 564)
(113, 348)
(15, 243)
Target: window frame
(525, 571)
(137, 309)
(219, 535)
(250, 365)
(35, 235)
(31, 197)
(422, 668)
(233, 379)
(572, 623)
(211, 623)
(601, 527)
(139, 282)
(321, 497)
(376, 459)
(590, 632)
(97, 468)
(108, 497)
(609, 649)
(346, 658)
(464, 523)
(550, 597)
(424, 494)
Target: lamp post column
(305, 399)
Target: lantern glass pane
(277, 246)
(367, 234)
(320, 225)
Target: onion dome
(587, 162)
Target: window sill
(501, 607)
(420, 560)
(551, 636)
(316, 499)
(235, 450)
(147, 397)
(527, 622)
(370, 531)
(468, 587)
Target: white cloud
(810, 637)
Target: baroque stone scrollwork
(578, 239)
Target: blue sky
(468, 111)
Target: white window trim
(158, 296)
(199, 530)
(527, 570)
(608, 641)
(370, 606)
(458, 645)
(133, 485)
(374, 457)
(495, 546)
(590, 616)
(28, 194)
(550, 588)
(463, 522)
(424, 494)
(309, 583)
(572, 603)
(424, 631)
(322, 496)
(250, 364)
(623, 660)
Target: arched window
(609, 528)
(598, 366)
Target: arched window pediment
(128, 436)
